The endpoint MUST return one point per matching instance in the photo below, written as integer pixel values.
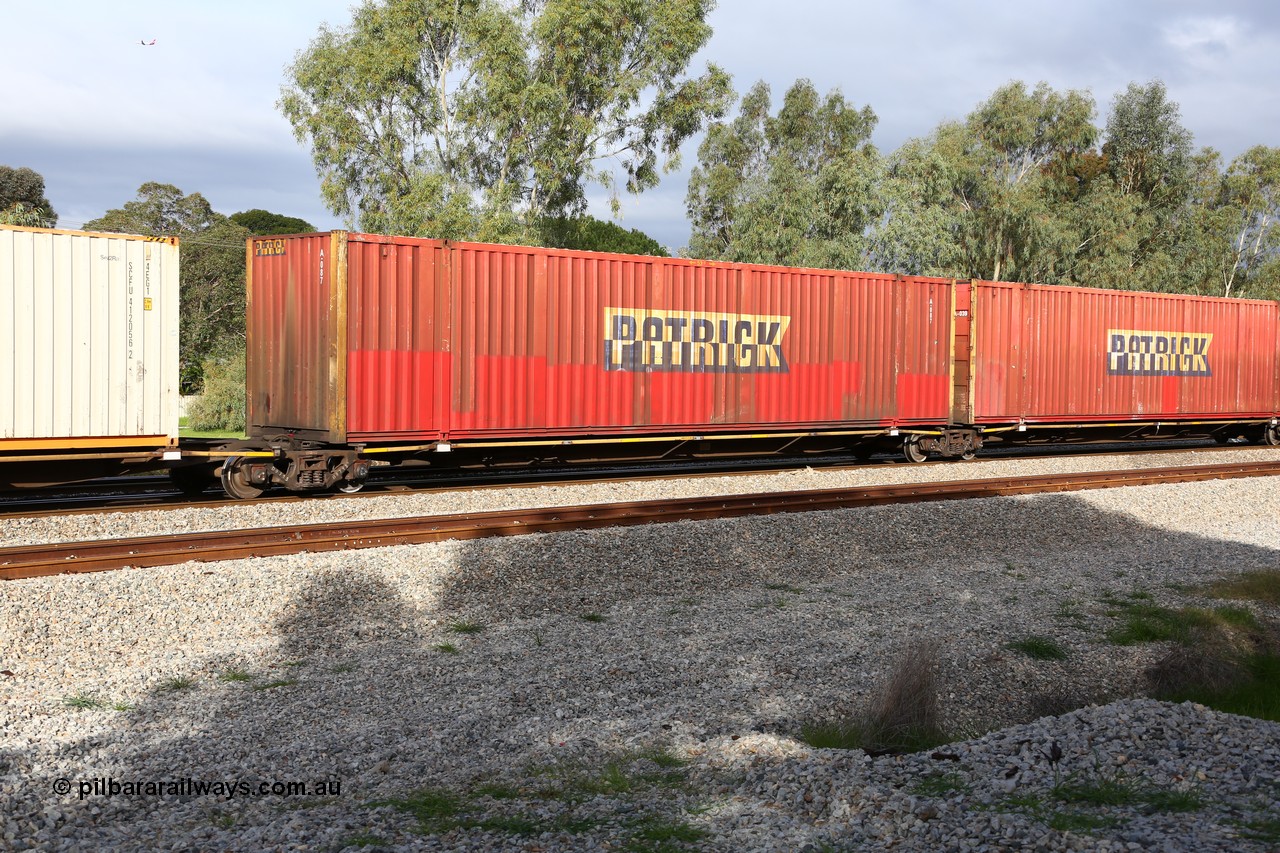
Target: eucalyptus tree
(22, 199)
(977, 198)
(796, 188)
(1251, 190)
(477, 118)
(1150, 158)
(212, 275)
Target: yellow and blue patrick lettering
(641, 340)
(1136, 352)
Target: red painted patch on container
(922, 395)
(1169, 394)
(394, 391)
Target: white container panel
(93, 325)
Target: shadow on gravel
(509, 662)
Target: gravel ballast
(642, 688)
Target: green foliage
(212, 268)
(1039, 648)
(588, 234)
(235, 675)
(903, 717)
(279, 682)
(176, 684)
(22, 200)
(796, 188)
(941, 785)
(476, 118)
(1123, 791)
(262, 222)
(1254, 693)
(1262, 585)
(1151, 623)
(222, 405)
(1027, 188)
(557, 808)
(979, 196)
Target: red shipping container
(1067, 355)
(363, 338)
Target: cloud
(1200, 36)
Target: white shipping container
(88, 340)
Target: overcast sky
(98, 114)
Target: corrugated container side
(88, 339)
(398, 360)
(295, 304)
(1067, 354)
(470, 340)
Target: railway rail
(149, 492)
(40, 560)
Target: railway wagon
(89, 336)
(360, 345)
(1051, 363)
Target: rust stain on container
(465, 340)
(1049, 353)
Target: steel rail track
(154, 492)
(39, 560)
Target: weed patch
(502, 808)
(1039, 648)
(941, 785)
(175, 684)
(271, 685)
(1255, 586)
(465, 626)
(83, 701)
(903, 717)
(1263, 829)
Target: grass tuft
(235, 675)
(176, 684)
(1261, 586)
(1039, 648)
(593, 617)
(465, 626)
(280, 682)
(941, 784)
(83, 701)
(569, 801)
(447, 648)
(904, 717)
(1262, 829)
(1122, 791)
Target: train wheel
(236, 483)
(911, 449)
(1271, 435)
(349, 488)
(968, 454)
(192, 480)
